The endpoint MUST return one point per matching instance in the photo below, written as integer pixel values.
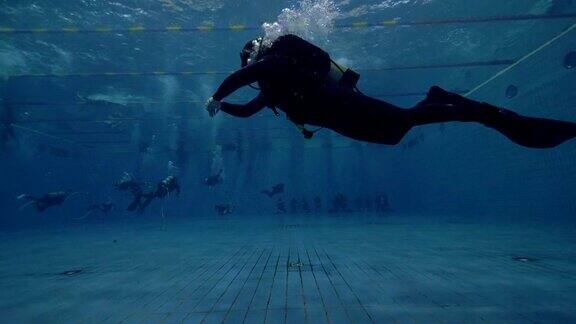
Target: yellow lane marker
(237, 27)
(174, 29)
(360, 24)
(136, 29)
(207, 27)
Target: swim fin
(526, 131)
(533, 132)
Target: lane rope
(520, 61)
(239, 27)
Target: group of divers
(339, 203)
(143, 194)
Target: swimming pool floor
(290, 270)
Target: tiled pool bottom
(290, 270)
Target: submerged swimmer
(128, 183)
(280, 206)
(141, 198)
(223, 209)
(141, 201)
(302, 80)
(167, 186)
(7, 120)
(275, 190)
(46, 201)
(214, 179)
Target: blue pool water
(455, 224)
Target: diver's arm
(243, 111)
(249, 74)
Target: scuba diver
(293, 206)
(167, 186)
(317, 204)
(223, 209)
(382, 203)
(7, 119)
(305, 206)
(275, 190)
(141, 199)
(214, 179)
(280, 206)
(128, 183)
(339, 204)
(303, 81)
(48, 200)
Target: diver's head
(251, 51)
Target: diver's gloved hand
(213, 106)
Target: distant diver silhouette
(275, 190)
(56, 198)
(303, 81)
(214, 179)
(128, 183)
(223, 209)
(140, 202)
(167, 186)
(141, 199)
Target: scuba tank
(339, 76)
(342, 76)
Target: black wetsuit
(276, 189)
(214, 180)
(48, 200)
(7, 118)
(292, 75)
(141, 201)
(166, 186)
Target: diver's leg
(441, 113)
(533, 132)
(26, 205)
(40, 206)
(360, 117)
(134, 204)
(146, 202)
(442, 106)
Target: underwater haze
(124, 201)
